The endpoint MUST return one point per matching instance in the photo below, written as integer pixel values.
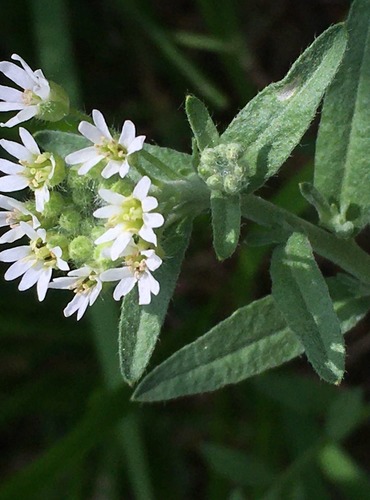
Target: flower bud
(223, 168)
(81, 249)
(56, 106)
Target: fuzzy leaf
(272, 124)
(303, 298)
(61, 143)
(253, 339)
(342, 171)
(226, 216)
(201, 123)
(140, 326)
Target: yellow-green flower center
(43, 253)
(39, 170)
(137, 264)
(130, 216)
(112, 150)
(30, 98)
(85, 284)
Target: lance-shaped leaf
(272, 124)
(201, 123)
(342, 172)
(61, 143)
(140, 326)
(226, 216)
(253, 339)
(303, 297)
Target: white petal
(106, 212)
(7, 201)
(82, 271)
(16, 74)
(42, 196)
(75, 303)
(153, 262)
(83, 306)
(13, 234)
(29, 141)
(67, 283)
(142, 188)
(124, 169)
(10, 183)
(90, 132)
(101, 123)
(154, 284)
(11, 106)
(119, 245)
(31, 233)
(25, 66)
(13, 254)
(124, 287)
(149, 203)
(4, 219)
(144, 289)
(136, 144)
(8, 167)
(111, 197)
(153, 220)
(88, 165)
(127, 134)
(95, 293)
(112, 168)
(43, 282)
(10, 95)
(148, 234)
(16, 150)
(24, 115)
(17, 269)
(30, 278)
(62, 265)
(109, 235)
(115, 274)
(81, 156)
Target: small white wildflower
(114, 152)
(35, 261)
(86, 284)
(136, 270)
(16, 212)
(128, 216)
(36, 90)
(34, 169)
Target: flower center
(85, 284)
(43, 253)
(130, 216)
(112, 150)
(30, 98)
(40, 170)
(137, 264)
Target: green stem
(345, 253)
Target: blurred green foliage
(68, 429)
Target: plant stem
(345, 253)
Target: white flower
(34, 169)
(114, 152)
(128, 216)
(16, 211)
(35, 261)
(36, 90)
(86, 284)
(136, 270)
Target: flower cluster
(89, 214)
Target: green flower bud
(54, 207)
(223, 168)
(81, 249)
(70, 220)
(56, 107)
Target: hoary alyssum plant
(103, 210)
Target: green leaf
(303, 297)
(253, 339)
(201, 123)
(238, 467)
(272, 124)
(342, 171)
(60, 143)
(166, 163)
(226, 216)
(140, 326)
